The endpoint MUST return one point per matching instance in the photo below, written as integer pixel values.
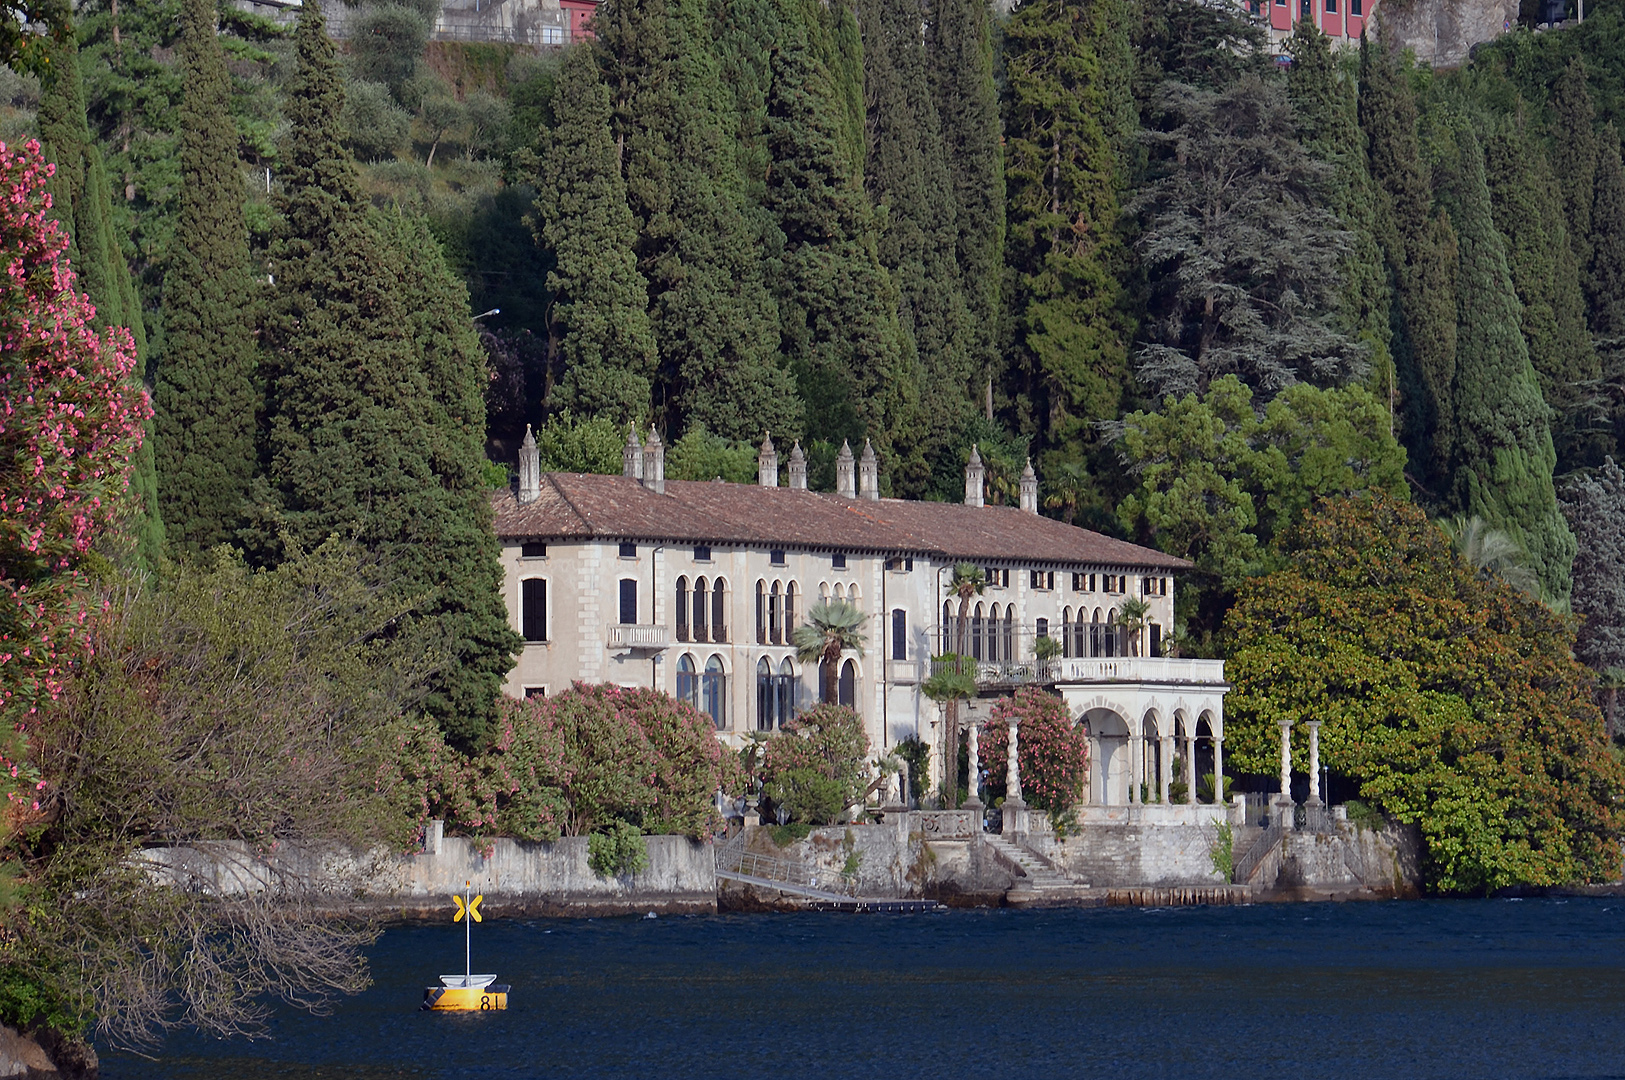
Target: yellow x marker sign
(473, 910)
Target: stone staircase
(1040, 883)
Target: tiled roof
(586, 506)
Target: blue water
(1491, 988)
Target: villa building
(695, 588)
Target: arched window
(1010, 656)
(950, 642)
(840, 591)
(719, 609)
(1114, 644)
(899, 634)
(761, 613)
(688, 682)
(766, 698)
(789, 610)
(1066, 631)
(1043, 631)
(1097, 639)
(629, 601)
(775, 616)
(853, 597)
(787, 687)
(713, 692)
(976, 633)
(682, 609)
(849, 685)
(700, 597)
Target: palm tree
(968, 581)
(1492, 551)
(831, 628)
(1134, 614)
(1069, 483)
(952, 678)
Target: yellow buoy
(467, 992)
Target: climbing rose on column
(70, 423)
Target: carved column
(975, 767)
(1166, 776)
(1012, 772)
(1190, 763)
(1314, 761)
(1286, 763)
(1218, 770)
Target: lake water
(1481, 989)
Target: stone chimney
(798, 468)
(844, 483)
(869, 474)
(530, 469)
(654, 463)
(974, 472)
(1029, 488)
(632, 456)
(767, 463)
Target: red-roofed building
(695, 588)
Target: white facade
(627, 605)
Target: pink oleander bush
(1053, 751)
(575, 764)
(70, 425)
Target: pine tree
(598, 331)
(838, 306)
(1420, 254)
(1242, 255)
(959, 48)
(710, 310)
(1324, 104)
(205, 397)
(1063, 176)
(82, 202)
(1504, 458)
(1595, 508)
(907, 175)
(1574, 153)
(370, 398)
(1529, 214)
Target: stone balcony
(1143, 670)
(638, 637)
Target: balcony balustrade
(636, 636)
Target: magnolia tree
(591, 760)
(1054, 751)
(70, 424)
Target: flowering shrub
(577, 764)
(1054, 751)
(70, 424)
(819, 761)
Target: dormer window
(533, 550)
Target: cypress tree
(1063, 174)
(599, 337)
(1419, 252)
(368, 407)
(712, 316)
(1607, 271)
(1574, 153)
(81, 200)
(205, 397)
(1504, 457)
(1529, 214)
(907, 175)
(1325, 107)
(959, 47)
(838, 306)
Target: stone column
(1135, 752)
(1167, 773)
(1218, 770)
(1286, 763)
(1012, 772)
(1190, 763)
(975, 767)
(1314, 761)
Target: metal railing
(1247, 865)
(732, 858)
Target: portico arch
(1108, 756)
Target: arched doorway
(848, 689)
(1108, 758)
